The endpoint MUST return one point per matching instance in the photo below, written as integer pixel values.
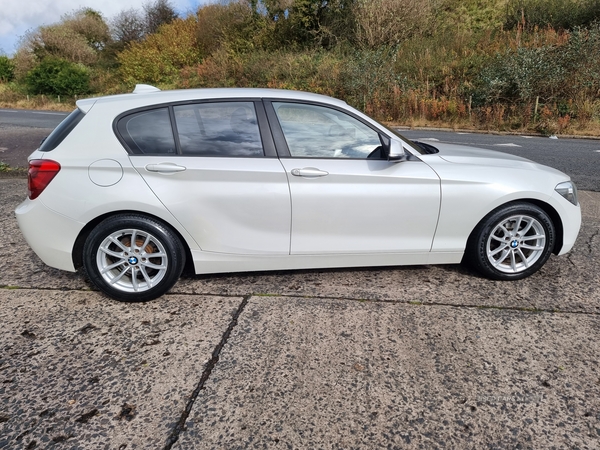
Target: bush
(551, 72)
(58, 77)
(160, 57)
(389, 22)
(564, 14)
(7, 69)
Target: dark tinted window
(61, 131)
(218, 129)
(148, 132)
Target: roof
(146, 95)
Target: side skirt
(206, 262)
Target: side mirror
(397, 152)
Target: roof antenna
(144, 89)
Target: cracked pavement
(408, 357)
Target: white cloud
(18, 16)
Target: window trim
(268, 145)
(279, 137)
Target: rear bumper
(50, 235)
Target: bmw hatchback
(131, 188)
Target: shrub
(565, 14)
(389, 22)
(58, 77)
(160, 57)
(7, 69)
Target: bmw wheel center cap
(514, 244)
(132, 260)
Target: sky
(19, 16)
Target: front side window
(313, 131)
(218, 129)
(148, 132)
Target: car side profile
(131, 188)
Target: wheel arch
(547, 208)
(77, 253)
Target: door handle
(309, 172)
(164, 168)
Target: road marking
(430, 139)
(527, 137)
(51, 113)
(464, 133)
(507, 145)
(34, 112)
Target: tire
(512, 242)
(137, 273)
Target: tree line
(486, 63)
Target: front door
(345, 197)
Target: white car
(131, 188)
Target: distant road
(31, 119)
(21, 131)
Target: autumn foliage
(503, 64)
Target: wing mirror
(397, 152)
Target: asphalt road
(31, 119)
(21, 132)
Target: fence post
(470, 103)
(537, 104)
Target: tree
(128, 26)
(7, 69)
(79, 38)
(160, 57)
(157, 14)
(311, 22)
(389, 22)
(236, 25)
(131, 25)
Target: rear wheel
(133, 258)
(512, 242)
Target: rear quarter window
(148, 132)
(61, 131)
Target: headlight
(568, 191)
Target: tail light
(40, 174)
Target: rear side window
(148, 132)
(61, 131)
(218, 129)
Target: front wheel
(133, 258)
(512, 242)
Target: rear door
(213, 166)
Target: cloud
(17, 16)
